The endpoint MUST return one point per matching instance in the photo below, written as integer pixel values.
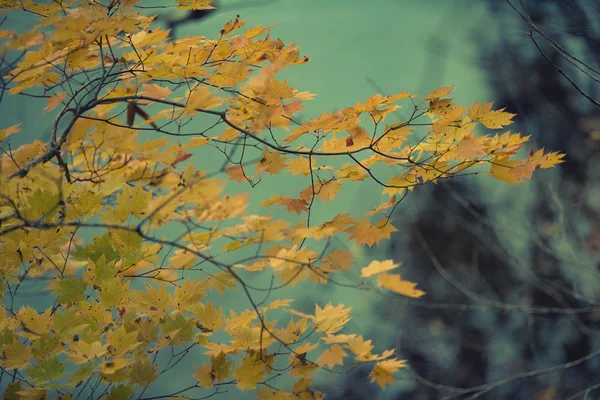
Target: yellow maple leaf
(339, 258)
(502, 170)
(114, 365)
(471, 147)
(332, 356)
(299, 166)
(200, 98)
(383, 370)
(205, 376)
(249, 373)
(236, 173)
(341, 338)
(365, 233)
(271, 162)
(33, 323)
(4, 133)
(154, 301)
(81, 352)
(440, 92)
(398, 184)
(360, 347)
(291, 205)
(329, 189)
(388, 204)
(330, 319)
(377, 267)
(55, 101)
(15, 355)
(189, 293)
(547, 160)
(236, 321)
(209, 319)
(155, 91)
(490, 119)
(395, 283)
(195, 5)
(221, 281)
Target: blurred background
(510, 271)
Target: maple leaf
(34, 323)
(330, 319)
(134, 109)
(502, 169)
(490, 119)
(249, 373)
(471, 147)
(329, 189)
(377, 267)
(195, 4)
(299, 166)
(383, 370)
(209, 318)
(155, 91)
(437, 93)
(221, 367)
(360, 347)
(390, 203)
(292, 205)
(236, 173)
(189, 293)
(180, 157)
(16, 355)
(143, 373)
(46, 370)
(339, 258)
(271, 162)
(332, 356)
(53, 102)
(221, 281)
(4, 133)
(68, 290)
(81, 352)
(397, 285)
(365, 233)
(122, 342)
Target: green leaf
(63, 323)
(68, 290)
(121, 392)
(46, 370)
(10, 393)
(184, 327)
(114, 291)
(82, 374)
(100, 272)
(101, 246)
(42, 203)
(46, 345)
(143, 373)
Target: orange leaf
(181, 156)
(55, 101)
(4, 133)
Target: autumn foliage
(138, 244)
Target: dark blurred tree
(496, 324)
